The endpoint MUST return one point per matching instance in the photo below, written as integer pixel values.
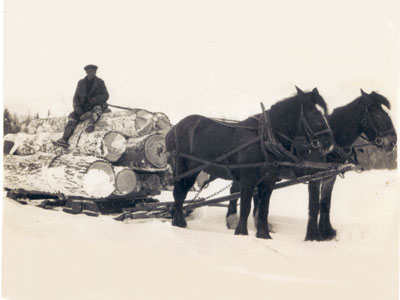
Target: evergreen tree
(7, 122)
(10, 122)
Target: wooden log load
(110, 145)
(132, 123)
(28, 144)
(69, 175)
(146, 153)
(56, 124)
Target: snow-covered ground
(54, 255)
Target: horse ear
(315, 91)
(363, 93)
(299, 91)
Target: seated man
(90, 101)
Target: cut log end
(99, 181)
(114, 146)
(126, 182)
(155, 150)
(153, 182)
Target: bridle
(298, 143)
(311, 134)
(379, 135)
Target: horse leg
(181, 188)
(313, 233)
(325, 227)
(247, 184)
(264, 194)
(232, 218)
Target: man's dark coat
(81, 98)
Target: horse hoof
(232, 221)
(241, 232)
(313, 237)
(328, 234)
(179, 223)
(263, 235)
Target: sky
(218, 58)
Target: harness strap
(273, 146)
(218, 159)
(302, 164)
(231, 123)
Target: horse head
(312, 123)
(377, 125)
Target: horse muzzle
(387, 143)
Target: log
(146, 153)
(69, 175)
(56, 124)
(110, 145)
(150, 181)
(28, 144)
(133, 123)
(126, 181)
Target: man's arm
(78, 108)
(101, 95)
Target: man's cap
(93, 67)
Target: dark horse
(209, 140)
(364, 116)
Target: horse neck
(345, 123)
(284, 120)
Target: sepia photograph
(183, 149)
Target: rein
(267, 141)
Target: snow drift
(54, 255)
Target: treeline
(12, 122)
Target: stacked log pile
(125, 155)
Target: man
(90, 101)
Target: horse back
(205, 138)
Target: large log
(126, 181)
(132, 123)
(110, 145)
(70, 175)
(146, 153)
(27, 144)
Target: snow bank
(54, 255)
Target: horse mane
(286, 104)
(380, 99)
(285, 116)
(345, 121)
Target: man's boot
(68, 132)
(94, 117)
